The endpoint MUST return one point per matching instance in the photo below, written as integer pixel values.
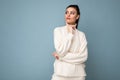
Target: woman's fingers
(55, 55)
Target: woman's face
(71, 15)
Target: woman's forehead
(70, 9)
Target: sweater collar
(70, 25)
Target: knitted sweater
(72, 51)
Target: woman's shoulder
(81, 32)
(82, 35)
(59, 28)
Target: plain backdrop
(26, 37)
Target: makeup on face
(70, 15)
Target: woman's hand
(55, 55)
(71, 29)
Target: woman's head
(72, 14)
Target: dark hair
(78, 12)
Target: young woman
(71, 48)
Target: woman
(71, 48)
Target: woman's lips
(68, 18)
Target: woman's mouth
(68, 18)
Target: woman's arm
(78, 58)
(62, 43)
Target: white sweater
(72, 51)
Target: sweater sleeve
(62, 43)
(78, 58)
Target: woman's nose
(68, 14)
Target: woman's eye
(66, 12)
(72, 13)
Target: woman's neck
(71, 25)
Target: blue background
(26, 37)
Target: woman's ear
(78, 16)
